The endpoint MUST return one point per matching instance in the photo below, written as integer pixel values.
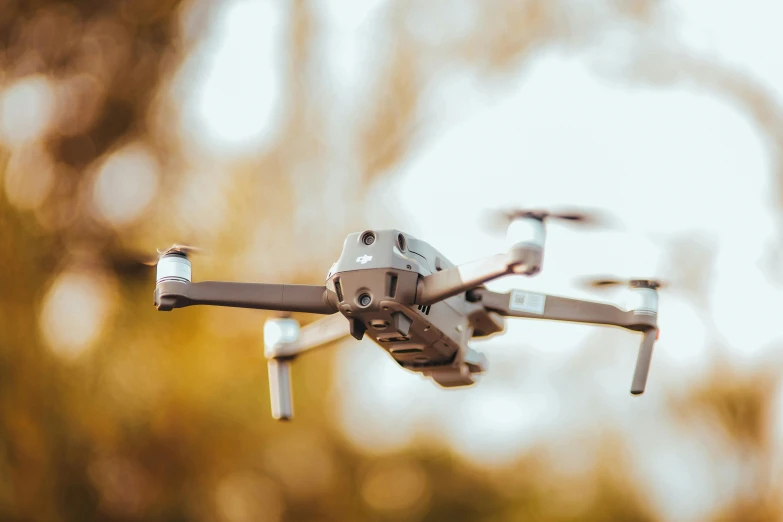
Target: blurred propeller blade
(576, 216)
(499, 219)
(648, 283)
(125, 259)
(603, 282)
(184, 249)
(149, 260)
(128, 264)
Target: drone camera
(368, 238)
(401, 242)
(364, 300)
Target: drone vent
(392, 285)
(339, 289)
(425, 309)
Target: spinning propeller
(184, 250)
(498, 219)
(180, 249)
(526, 233)
(133, 263)
(604, 282)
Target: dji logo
(363, 259)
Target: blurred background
(265, 131)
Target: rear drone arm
(316, 334)
(262, 296)
(531, 305)
(283, 341)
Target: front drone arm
(524, 256)
(459, 279)
(291, 298)
(531, 305)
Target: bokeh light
(246, 497)
(26, 109)
(235, 99)
(74, 312)
(396, 486)
(126, 184)
(29, 177)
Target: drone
(415, 304)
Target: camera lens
(369, 238)
(365, 300)
(401, 242)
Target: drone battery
(174, 267)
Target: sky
(668, 162)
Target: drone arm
(280, 392)
(280, 353)
(643, 361)
(316, 334)
(262, 296)
(540, 306)
(456, 280)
